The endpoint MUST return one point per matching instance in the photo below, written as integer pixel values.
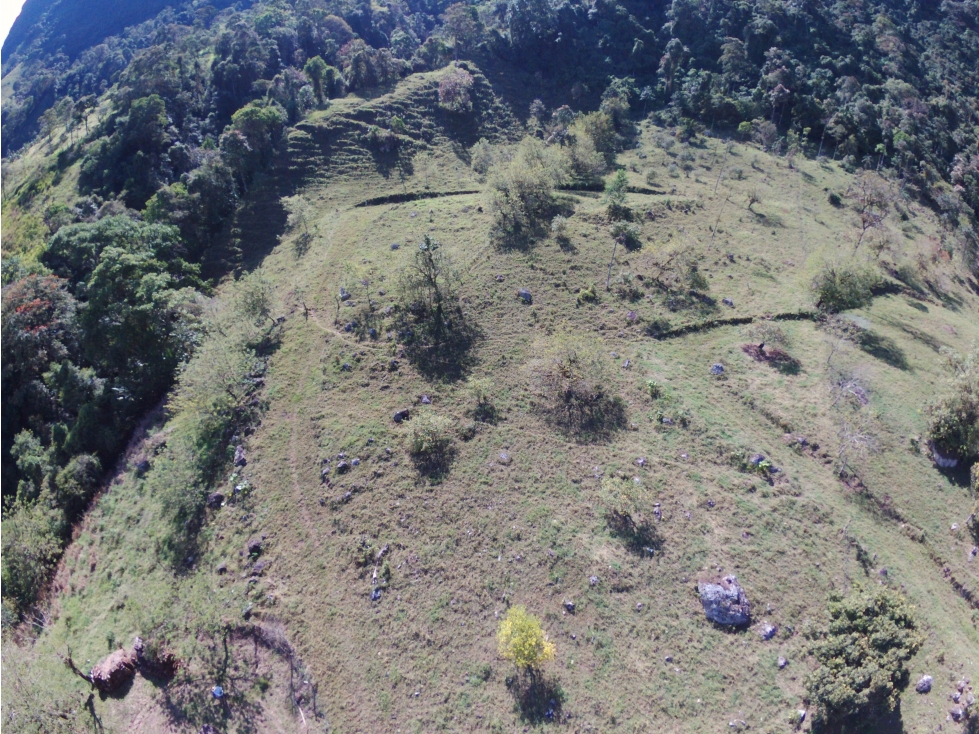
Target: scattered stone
(395, 246)
(958, 713)
(593, 580)
(802, 715)
(924, 684)
(524, 295)
(113, 672)
(668, 659)
(725, 602)
(782, 662)
(717, 369)
(372, 333)
(727, 302)
(343, 467)
(215, 499)
(499, 278)
(627, 364)
(632, 315)
(393, 365)
(355, 462)
(344, 295)
(768, 631)
(240, 459)
(142, 467)
(569, 605)
(259, 568)
(756, 459)
(345, 367)
(641, 462)
(505, 459)
(639, 607)
(402, 415)
(221, 568)
(376, 595)
(667, 421)
(425, 400)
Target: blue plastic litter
(217, 692)
(376, 595)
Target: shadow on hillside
(640, 538)
(446, 353)
(883, 723)
(538, 699)
(883, 348)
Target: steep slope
(293, 628)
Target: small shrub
(655, 389)
(954, 429)
(521, 639)
(627, 235)
(767, 332)
(651, 176)
(587, 294)
(862, 654)
(615, 190)
(575, 386)
(738, 174)
(835, 199)
(431, 443)
(840, 287)
(481, 156)
(559, 227)
(481, 397)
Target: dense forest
(173, 117)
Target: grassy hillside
(291, 631)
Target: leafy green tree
(862, 653)
(316, 71)
(521, 640)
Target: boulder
(113, 672)
(782, 662)
(924, 684)
(717, 369)
(240, 459)
(402, 415)
(725, 602)
(524, 295)
(768, 631)
(215, 499)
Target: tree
(454, 91)
(316, 71)
(521, 639)
(522, 190)
(462, 23)
(428, 285)
(862, 653)
(615, 190)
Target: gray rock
(593, 580)
(641, 461)
(402, 415)
(756, 459)
(240, 459)
(505, 459)
(725, 602)
(221, 568)
(499, 278)
(355, 462)
(958, 713)
(569, 605)
(717, 369)
(727, 302)
(924, 684)
(524, 295)
(425, 400)
(768, 631)
(344, 295)
(782, 662)
(254, 547)
(343, 467)
(142, 467)
(395, 245)
(214, 500)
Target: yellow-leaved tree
(522, 639)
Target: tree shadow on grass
(883, 348)
(589, 421)
(538, 699)
(445, 353)
(640, 538)
(890, 722)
